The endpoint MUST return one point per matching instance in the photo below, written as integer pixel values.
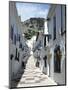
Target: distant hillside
(33, 26)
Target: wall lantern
(48, 19)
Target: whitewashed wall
(14, 65)
(58, 77)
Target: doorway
(57, 60)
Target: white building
(17, 45)
(38, 50)
(52, 43)
(41, 49)
(57, 29)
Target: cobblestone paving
(33, 76)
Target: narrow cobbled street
(33, 76)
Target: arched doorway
(57, 59)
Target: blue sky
(28, 10)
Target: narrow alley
(33, 76)
(37, 51)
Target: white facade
(15, 24)
(42, 52)
(39, 52)
(59, 12)
(57, 40)
(15, 40)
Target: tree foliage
(30, 34)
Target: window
(45, 61)
(57, 60)
(11, 56)
(45, 41)
(11, 33)
(63, 19)
(15, 39)
(16, 54)
(54, 27)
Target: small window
(45, 62)
(15, 39)
(54, 27)
(16, 54)
(63, 19)
(11, 56)
(45, 41)
(11, 33)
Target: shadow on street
(14, 82)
